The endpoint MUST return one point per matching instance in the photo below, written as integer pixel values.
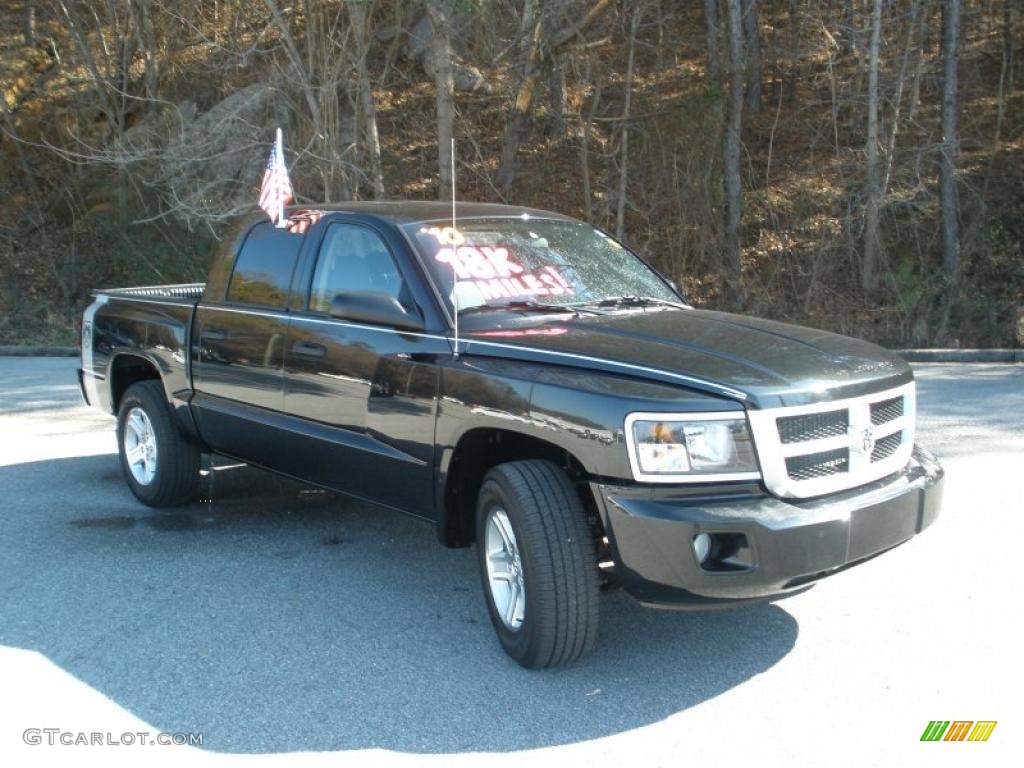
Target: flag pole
(455, 275)
(279, 150)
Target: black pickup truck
(525, 383)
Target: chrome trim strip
(734, 394)
(467, 343)
(685, 477)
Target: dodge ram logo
(862, 439)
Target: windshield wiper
(638, 301)
(528, 306)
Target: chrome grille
(813, 426)
(886, 447)
(811, 450)
(818, 464)
(887, 410)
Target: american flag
(304, 218)
(276, 191)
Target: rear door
(364, 395)
(241, 335)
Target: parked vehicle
(585, 428)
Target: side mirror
(374, 308)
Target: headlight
(700, 447)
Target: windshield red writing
(497, 276)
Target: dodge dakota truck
(527, 384)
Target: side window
(263, 269)
(353, 258)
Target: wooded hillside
(854, 165)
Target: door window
(263, 270)
(353, 258)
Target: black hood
(759, 361)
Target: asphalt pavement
(292, 626)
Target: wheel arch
(476, 452)
(127, 368)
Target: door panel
(240, 344)
(240, 359)
(375, 384)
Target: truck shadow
(277, 618)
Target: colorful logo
(958, 730)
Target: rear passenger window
(263, 269)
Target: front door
(365, 394)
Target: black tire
(558, 563)
(176, 468)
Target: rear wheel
(159, 464)
(537, 563)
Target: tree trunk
(1008, 44)
(539, 53)
(30, 22)
(794, 50)
(620, 213)
(515, 128)
(714, 62)
(733, 188)
(588, 204)
(847, 30)
(897, 100)
(142, 13)
(444, 88)
(752, 33)
(918, 65)
(872, 230)
(950, 142)
(367, 105)
(556, 99)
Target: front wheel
(537, 563)
(159, 464)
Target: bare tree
(872, 231)
(636, 12)
(30, 22)
(714, 62)
(734, 125)
(909, 49)
(752, 33)
(950, 139)
(146, 42)
(794, 49)
(444, 89)
(541, 49)
(588, 122)
(556, 98)
(847, 28)
(359, 13)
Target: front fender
(574, 410)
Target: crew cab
(525, 383)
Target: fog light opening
(723, 552)
(702, 547)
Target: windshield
(497, 262)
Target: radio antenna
(455, 274)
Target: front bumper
(768, 547)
